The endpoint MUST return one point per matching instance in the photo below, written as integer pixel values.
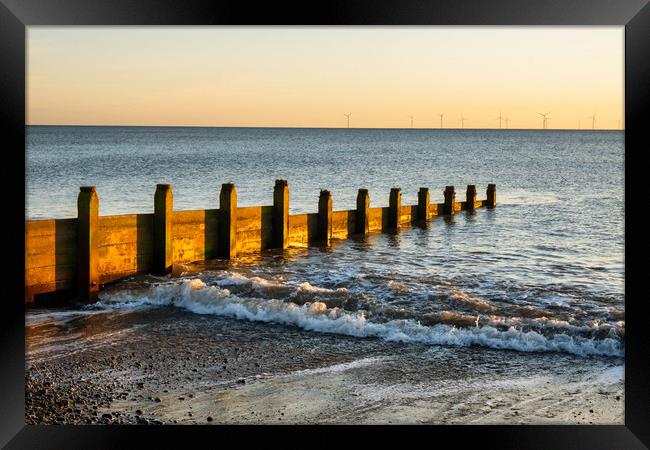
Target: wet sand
(167, 366)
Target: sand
(166, 366)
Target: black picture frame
(16, 15)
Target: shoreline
(166, 366)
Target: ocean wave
(196, 296)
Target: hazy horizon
(319, 128)
(309, 77)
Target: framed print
(411, 215)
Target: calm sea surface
(544, 271)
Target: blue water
(542, 271)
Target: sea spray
(196, 296)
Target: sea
(542, 272)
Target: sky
(311, 76)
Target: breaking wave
(196, 296)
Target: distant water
(543, 271)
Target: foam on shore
(195, 296)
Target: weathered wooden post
(281, 214)
(450, 199)
(362, 226)
(228, 220)
(470, 197)
(325, 216)
(491, 195)
(394, 207)
(87, 243)
(423, 204)
(162, 229)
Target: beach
(160, 366)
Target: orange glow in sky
(312, 76)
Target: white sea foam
(262, 284)
(613, 329)
(194, 295)
(306, 288)
(337, 368)
(256, 283)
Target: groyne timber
(74, 258)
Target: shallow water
(544, 271)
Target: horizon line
(321, 128)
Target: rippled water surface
(544, 271)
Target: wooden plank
(298, 232)
(375, 218)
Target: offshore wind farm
(507, 120)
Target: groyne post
(281, 214)
(362, 225)
(228, 220)
(491, 201)
(394, 207)
(73, 256)
(87, 244)
(162, 229)
(450, 199)
(423, 204)
(325, 216)
(470, 197)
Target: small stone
(209, 419)
(157, 399)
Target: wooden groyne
(74, 258)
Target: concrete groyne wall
(74, 258)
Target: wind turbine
(579, 128)
(544, 122)
(507, 121)
(593, 121)
(499, 119)
(411, 121)
(441, 119)
(348, 116)
(462, 121)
